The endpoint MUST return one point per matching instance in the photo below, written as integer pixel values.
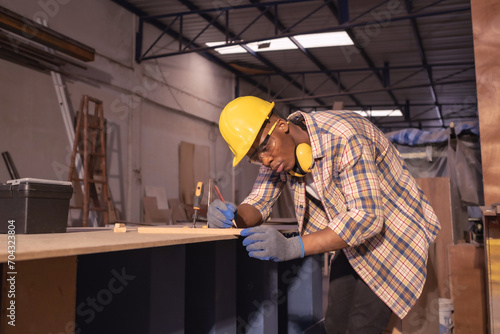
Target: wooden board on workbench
(188, 230)
(76, 242)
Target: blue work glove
(266, 243)
(220, 214)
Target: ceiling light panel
(308, 41)
(380, 113)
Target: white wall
(29, 116)
(149, 107)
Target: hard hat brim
(240, 123)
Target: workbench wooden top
(78, 242)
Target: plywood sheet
(201, 161)
(154, 215)
(486, 28)
(178, 210)
(194, 166)
(492, 249)
(39, 246)
(424, 316)
(189, 230)
(438, 192)
(186, 172)
(467, 282)
(160, 194)
(494, 284)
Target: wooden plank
(160, 194)
(438, 192)
(194, 166)
(424, 316)
(494, 284)
(467, 282)
(201, 167)
(188, 230)
(492, 250)
(485, 18)
(178, 210)
(31, 30)
(40, 246)
(120, 228)
(186, 173)
(154, 215)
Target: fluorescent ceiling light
(227, 49)
(308, 41)
(379, 113)
(326, 39)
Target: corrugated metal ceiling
(425, 46)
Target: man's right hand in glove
(220, 214)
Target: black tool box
(35, 206)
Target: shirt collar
(313, 131)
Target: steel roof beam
(261, 58)
(365, 69)
(342, 16)
(341, 27)
(301, 98)
(162, 27)
(428, 120)
(198, 11)
(279, 26)
(412, 15)
(387, 105)
(423, 57)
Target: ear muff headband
(303, 160)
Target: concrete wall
(150, 108)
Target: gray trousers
(352, 306)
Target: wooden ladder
(90, 144)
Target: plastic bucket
(445, 319)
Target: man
(353, 194)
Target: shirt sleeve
(357, 172)
(266, 190)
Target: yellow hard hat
(241, 121)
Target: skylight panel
(227, 49)
(308, 41)
(380, 113)
(326, 39)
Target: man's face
(274, 147)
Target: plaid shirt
(368, 197)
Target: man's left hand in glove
(220, 214)
(266, 243)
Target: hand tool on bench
(198, 195)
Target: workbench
(100, 281)
(77, 241)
